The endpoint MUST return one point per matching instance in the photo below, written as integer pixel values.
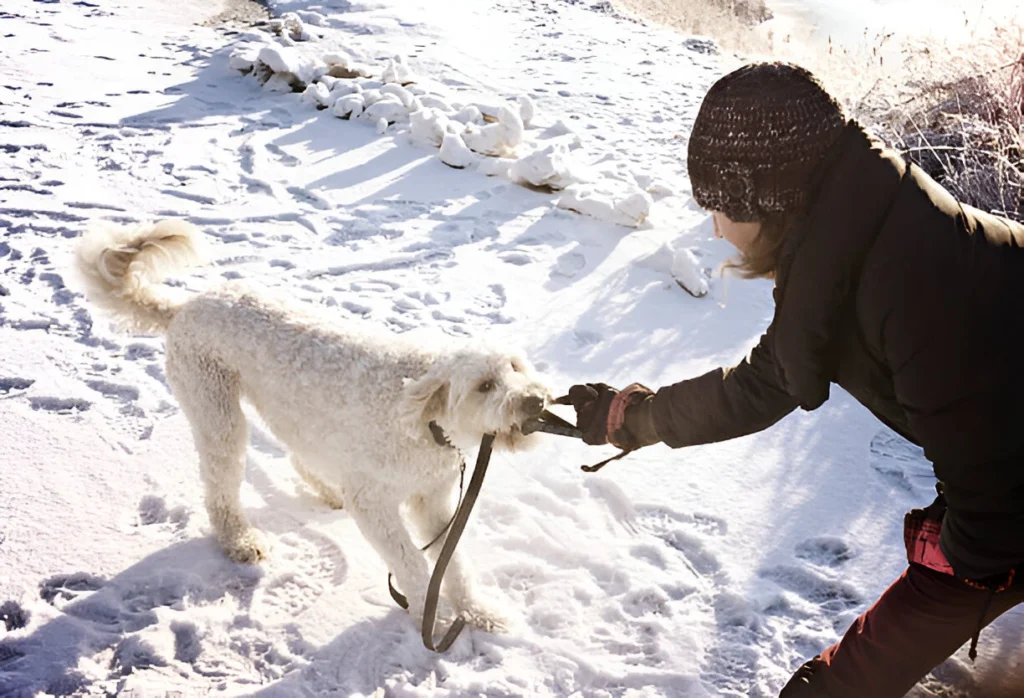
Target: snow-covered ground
(707, 571)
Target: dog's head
(476, 391)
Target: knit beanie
(760, 134)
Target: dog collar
(440, 438)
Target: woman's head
(761, 133)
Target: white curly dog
(351, 402)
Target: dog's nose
(533, 405)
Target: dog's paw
(485, 617)
(249, 548)
(334, 501)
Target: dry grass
(962, 120)
(956, 109)
(729, 22)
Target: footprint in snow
(153, 511)
(14, 383)
(13, 616)
(305, 565)
(569, 265)
(831, 595)
(282, 157)
(901, 464)
(67, 587)
(826, 551)
(60, 405)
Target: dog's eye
(486, 386)
(516, 367)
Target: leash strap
(456, 525)
(598, 466)
(483, 458)
(551, 423)
(398, 596)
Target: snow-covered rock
(549, 166)
(634, 208)
(396, 71)
(349, 106)
(434, 102)
(342, 88)
(527, 110)
(686, 271)
(371, 96)
(454, 152)
(428, 126)
(283, 60)
(469, 114)
(282, 82)
(403, 94)
(499, 139)
(382, 125)
(389, 108)
(311, 17)
(495, 167)
(316, 94)
(242, 61)
(290, 26)
(368, 83)
(629, 210)
(652, 186)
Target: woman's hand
(606, 415)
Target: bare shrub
(956, 109)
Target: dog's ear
(423, 400)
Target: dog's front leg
(379, 519)
(430, 513)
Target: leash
(454, 528)
(550, 423)
(547, 422)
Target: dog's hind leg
(209, 395)
(330, 496)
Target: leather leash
(454, 529)
(547, 422)
(551, 423)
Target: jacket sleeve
(723, 404)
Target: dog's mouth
(509, 438)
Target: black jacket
(914, 304)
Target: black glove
(606, 415)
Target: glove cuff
(627, 399)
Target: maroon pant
(919, 621)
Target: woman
(907, 299)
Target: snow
(703, 572)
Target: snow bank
(498, 138)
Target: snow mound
(396, 71)
(629, 210)
(497, 137)
(455, 153)
(549, 167)
(282, 64)
(290, 28)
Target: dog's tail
(121, 268)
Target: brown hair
(761, 258)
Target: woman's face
(740, 235)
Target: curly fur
(351, 402)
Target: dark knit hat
(761, 132)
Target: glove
(606, 415)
